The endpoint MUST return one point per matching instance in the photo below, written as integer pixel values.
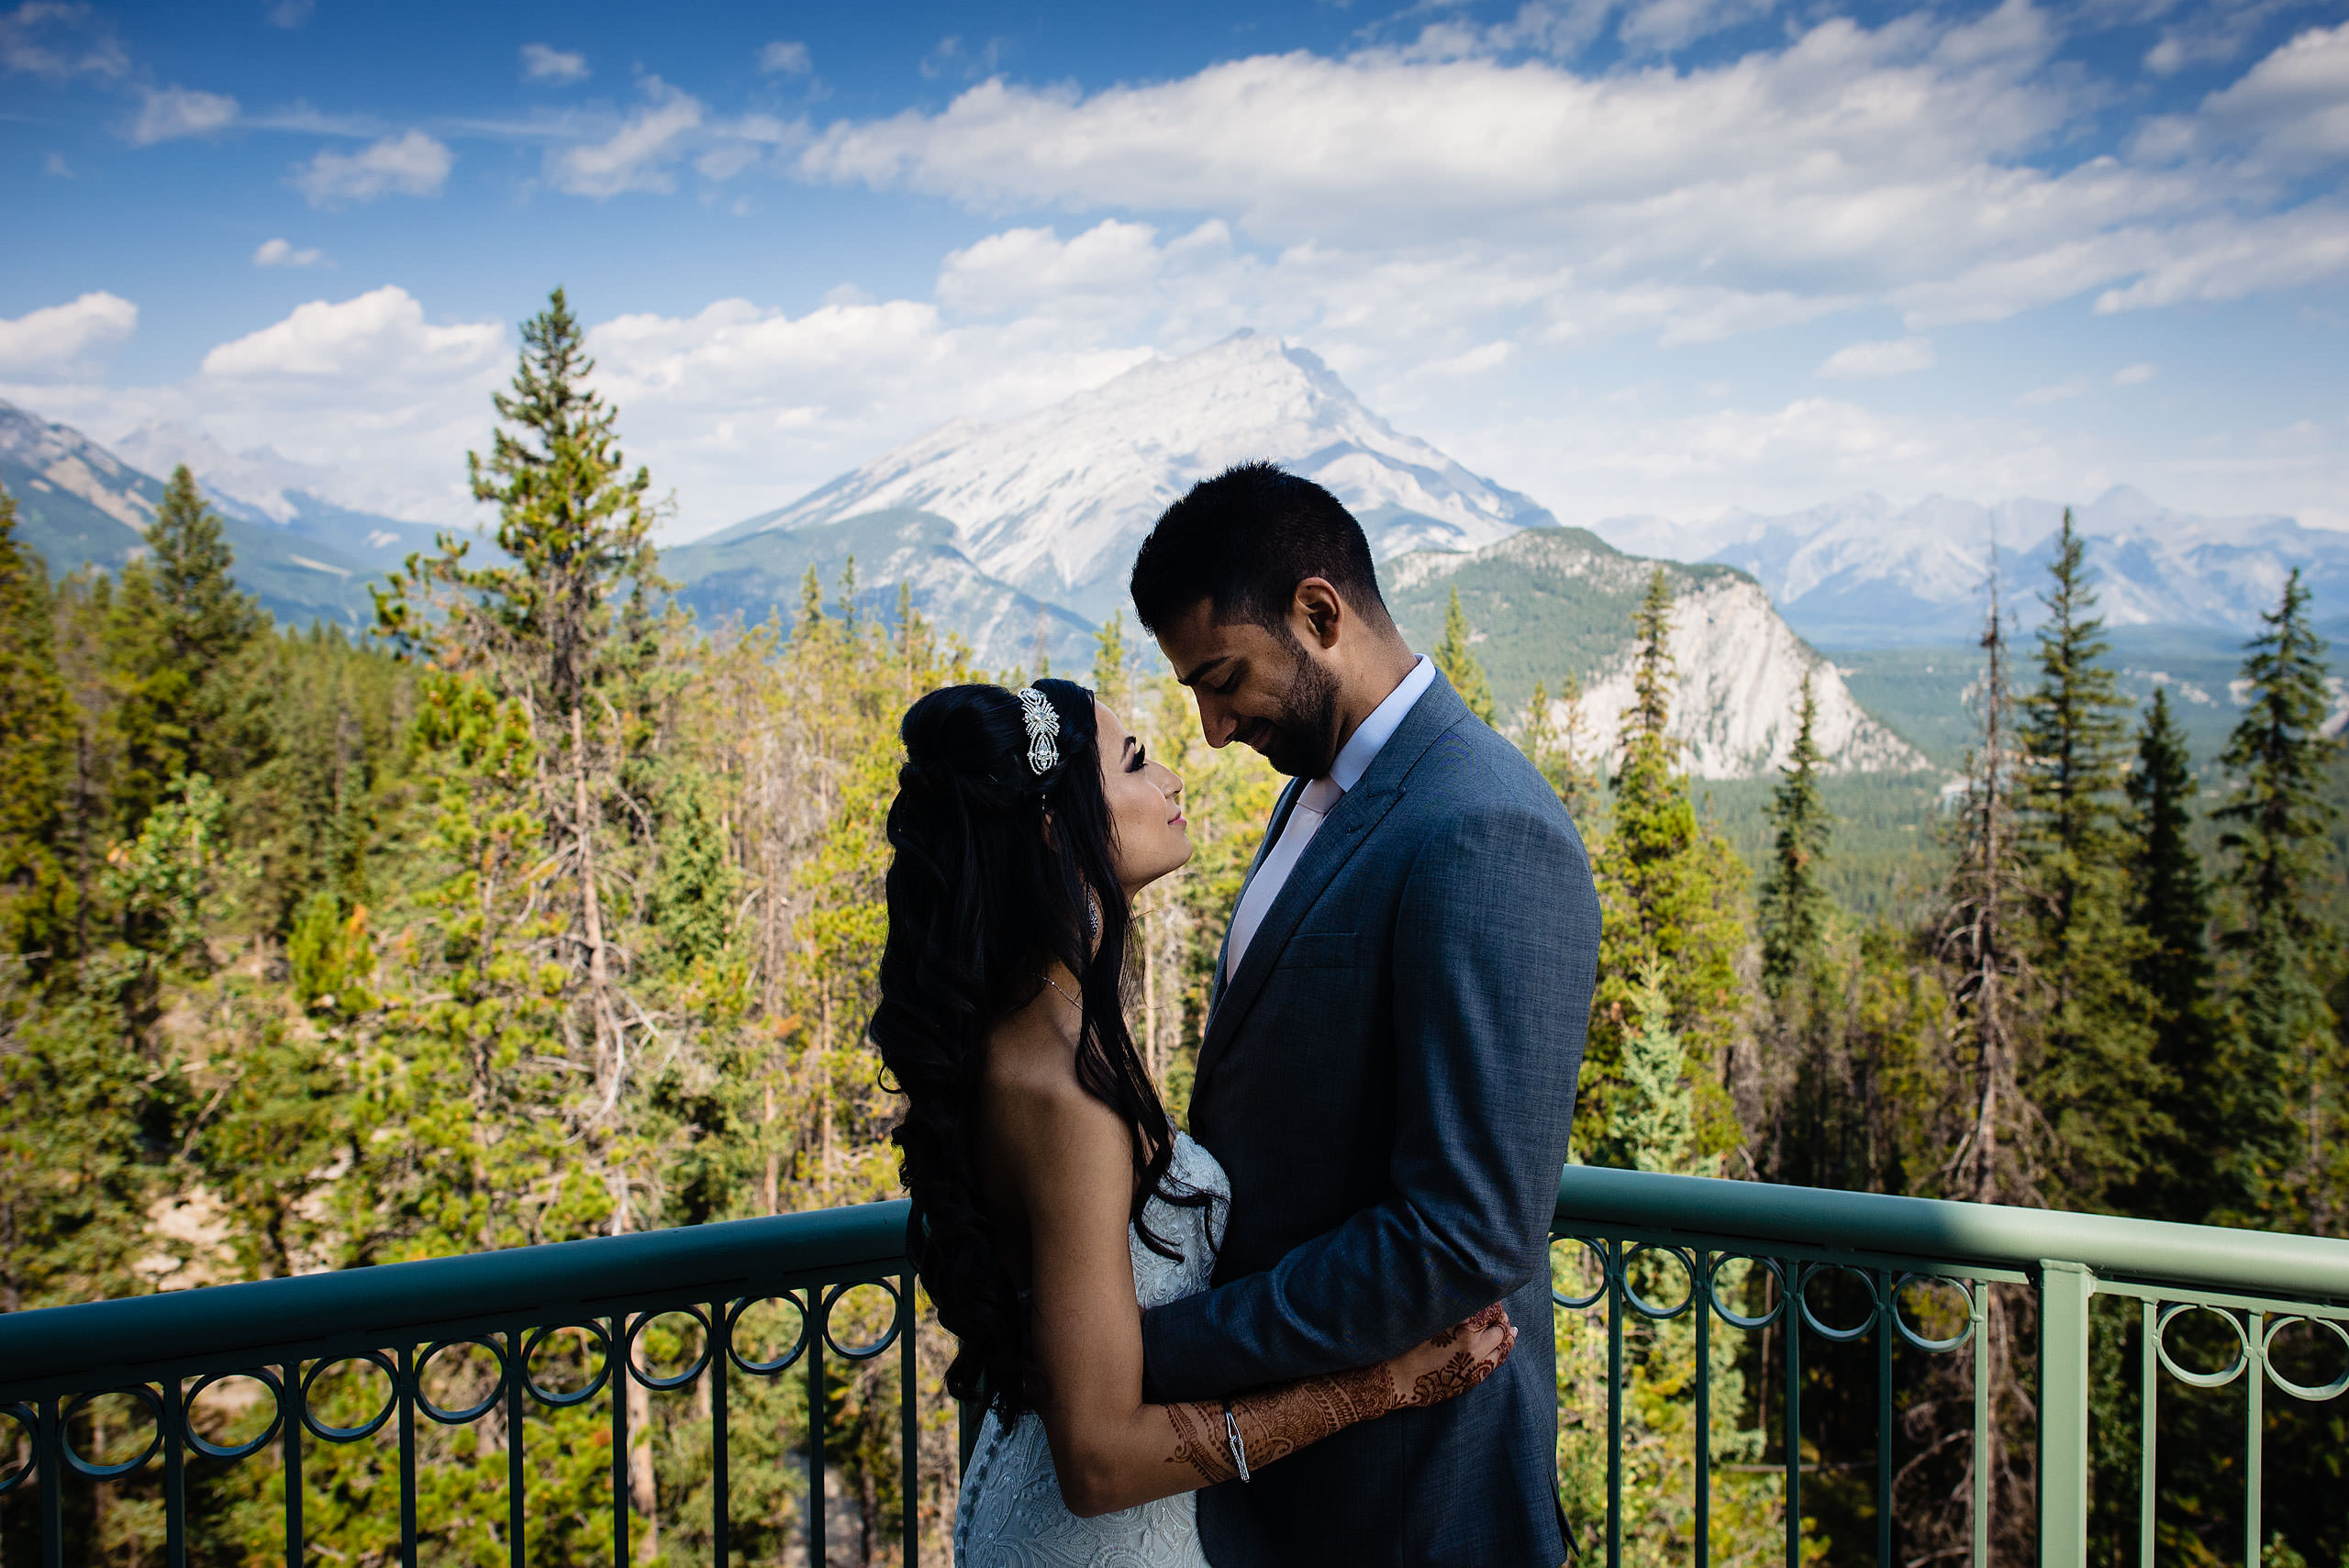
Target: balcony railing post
(721, 1504)
(1791, 1298)
(291, 1401)
(1618, 1287)
(173, 1418)
(48, 1453)
(2064, 1292)
(518, 1410)
(2255, 1370)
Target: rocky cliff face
(1550, 603)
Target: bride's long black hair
(998, 872)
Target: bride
(1053, 1204)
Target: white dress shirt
(1315, 803)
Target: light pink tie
(1315, 803)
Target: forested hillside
(546, 911)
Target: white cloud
(2132, 376)
(291, 12)
(636, 157)
(543, 62)
(381, 333)
(784, 58)
(2061, 392)
(168, 113)
(281, 254)
(64, 340)
(1899, 356)
(413, 164)
(60, 41)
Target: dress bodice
(1010, 1510)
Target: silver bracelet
(1231, 1436)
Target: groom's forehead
(1198, 645)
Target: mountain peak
(1056, 502)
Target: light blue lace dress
(1010, 1514)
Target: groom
(1389, 1065)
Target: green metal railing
(1745, 1251)
(2258, 1282)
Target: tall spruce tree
(2088, 1074)
(2284, 1081)
(36, 731)
(2171, 908)
(1794, 905)
(1557, 750)
(173, 632)
(1458, 661)
(1675, 894)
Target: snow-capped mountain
(1862, 572)
(264, 486)
(1054, 504)
(306, 559)
(1556, 602)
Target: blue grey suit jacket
(1389, 1078)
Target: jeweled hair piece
(1044, 723)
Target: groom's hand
(1454, 1361)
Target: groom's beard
(1303, 741)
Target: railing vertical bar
(721, 1499)
(619, 1358)
(290, 1402)
(406, 1396)
(1793, 1315)
(174, 1471)
(909, 1462)
(2148, 1396)
(517, 1410)
(48, 1453)
(1887, 1304)
(1616, 1286)
(820, 1312)
(1701, 1290)
(2254, 1441)
(1981, 1424)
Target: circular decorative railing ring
(473, 1412)
(1597, 1249)
(662, 1385)
(587, 1391)
(1804, 1274)
(367, 1428)
(211, 1449)
(139, 1391)
(2201, 1379)
(2332, 1390)
(30, 1424)
(862, 1352)
(1648, 1309)
(1965, 1293)
(766, 1369)
(1730, 1316)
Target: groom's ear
(1317, 614)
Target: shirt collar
(1362, 748)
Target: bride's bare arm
(1067, 1157)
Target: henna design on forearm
(1199, 1442)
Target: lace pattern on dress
(1010, 1510)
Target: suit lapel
(1346, 830)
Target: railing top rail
(1996, 1235)
(445, 1297)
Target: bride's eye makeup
(1139, 759)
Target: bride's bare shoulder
(1035, 1104)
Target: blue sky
(1669, 256)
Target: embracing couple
(1316, 1327)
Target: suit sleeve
(1496, 948)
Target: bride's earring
(1092, 915)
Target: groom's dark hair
(1243, 541)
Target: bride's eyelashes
(1140, 760)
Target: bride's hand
(1454, 1362)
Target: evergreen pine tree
(37, 732)
(1673, 893)
(2172, 908)
(1112, 667)
(207, 620)
(2284, 1078)
(1794, 905)
(1460, 664)
(2089, 1075)
(1557, 750)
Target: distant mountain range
(1054, 504)
(1863, 573)
(304, 557)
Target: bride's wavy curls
(996, 873)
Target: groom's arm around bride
(1389, 1066)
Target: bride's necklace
(1065, 996)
